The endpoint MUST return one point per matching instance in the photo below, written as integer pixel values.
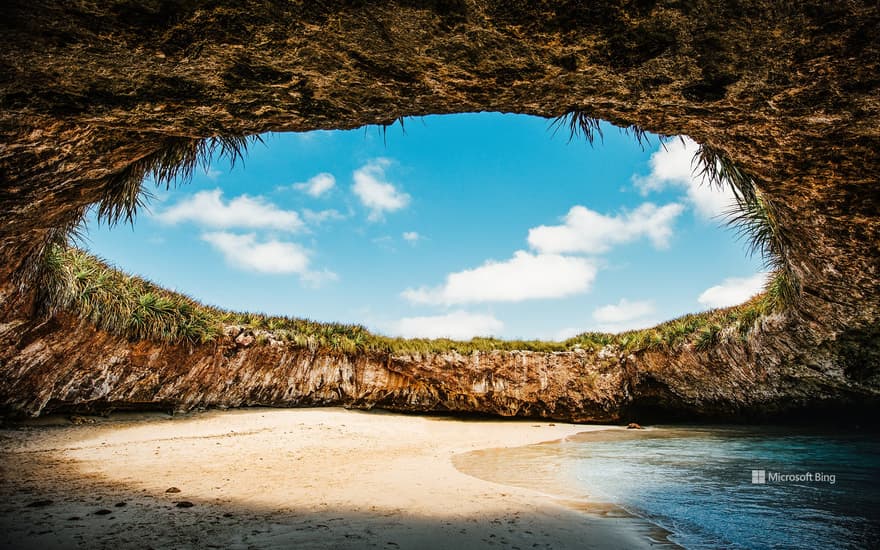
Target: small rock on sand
(39, 503)
(185, 504)
(172, 490)
(633, 426)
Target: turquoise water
(697, 484)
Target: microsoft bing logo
(763, 477)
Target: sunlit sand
(306, 478)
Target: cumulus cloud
(625, 315)
(672, 166)
(375, 192)
(587, 231)
(733, 291)
(318, 217)
(411, 236)
(246, 252)
(317, 185)
(526, 276)
(623, 311)
(208, 209)
(459, 325)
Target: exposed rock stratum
(790, 91)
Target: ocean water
(821, 489)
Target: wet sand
(288, 478)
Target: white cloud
(318, 217)
(710, 202)
(590, 232)
(623, 311)
(733, 291)
(672, 166)
(272, 256)
(459, 325)
(526, 276)
(317, 185)
(411, 237)
(207, 208)
(374, 192)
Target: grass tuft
(722, 172)
(756, 221)
(707, 337)
(119, 303)
(579, 124)
(173, 163)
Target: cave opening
(454, 227)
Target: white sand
(288, 478)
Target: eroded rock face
(788, 90)
(66, 365)
(82, 368)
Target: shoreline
(273, 478)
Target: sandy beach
(293, 478)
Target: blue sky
(461, 225)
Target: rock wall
(789, 90)
(48, 369)
(65, 365)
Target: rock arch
(789, 91)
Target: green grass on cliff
(81, 284)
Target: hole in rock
(452, 226)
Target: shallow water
(697, 482)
